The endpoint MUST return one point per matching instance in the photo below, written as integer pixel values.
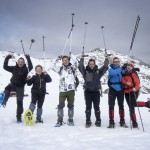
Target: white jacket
(67, 75)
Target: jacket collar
(91, 70)
(114, 66)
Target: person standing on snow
(115, 91)
(38, 90)
(131, 86)
(17, 82)
(67, 86)
(92, 86)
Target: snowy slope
(46, 137)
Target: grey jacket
(92, 76)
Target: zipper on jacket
(40, 82)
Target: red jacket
(130, 78)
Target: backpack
(76, 78)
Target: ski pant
(39, 100)
(63, 96)
(19, 94)
(92, 97)
(112, 95)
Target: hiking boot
(88, 123)
(98, 123)
(134, 125)
(39, 120)
(111, 124)
(70, 122)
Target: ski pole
(84, 37)
(139, 113)
(103, 36)
(86, 23)
(22, 47)
(134, 33)
(32, 41)
(44, 49)
(130, 109)
(70, 32)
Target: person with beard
(92, 85)
(17, 82)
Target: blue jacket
(115, 77)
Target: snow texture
(45, 136)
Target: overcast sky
(27, 19)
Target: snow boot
(98, 123)
(134, 124)
(59, 122)
(88, 123)
(111, 124)
(70, 122)
(88, 115)
(148, 104)
(39, 114)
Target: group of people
(123, 81)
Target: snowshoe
(2, 97)
(70, 122)
(88, 124)
(59, 122)
(98, 123)
(28, 116)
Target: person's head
(116, 61)
(65, 60)
(39, 69)
(91, 63)
(21, 62)
(130, 66)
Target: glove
(124, 66)
(27, 55)
(137, 69)
(8, 56)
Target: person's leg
(96, 103)
(61, 105)
(70, 99)
(39, 108)
(20, 95)
(34, 98)
(7, 91)
(120, 98)
(88, 103)
(133, 105)
(111, 103)
(130, 98)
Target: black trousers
(113, 94)
(19, 94)
(131, 99)
(92, 97)
(39, 99)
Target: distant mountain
(97, 54)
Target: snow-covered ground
(45, 136)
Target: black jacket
(19, 74)
(39, 83)
(92, 76)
